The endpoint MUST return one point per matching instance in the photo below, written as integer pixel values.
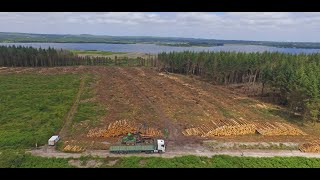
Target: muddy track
(69, 117)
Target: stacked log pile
(73, 148)
(198, 131)
(233, 127)
(151, 132)
(96, 132)
(277, 128)
(120, 128)
(222, 127)
(117, 128)
(312, 147)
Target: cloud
(131, 18)
(230, 25)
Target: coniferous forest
(295, 76)
(19, 56)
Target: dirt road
(70, 114)
(195, 150)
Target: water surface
(153, 48)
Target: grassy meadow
(33, 107)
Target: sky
(259, 26)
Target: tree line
(20, 56)
(296, 76)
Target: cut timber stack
(73, 148)
(312, 147)
(222, 127)
(232, 127)
(151, 132)
(193, 132)
(114, 129)
(277, 128)
(120, 128)
(229, 127)
(96, 132)
(233, 130)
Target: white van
(53, 140)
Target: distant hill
(7, 37)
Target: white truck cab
(161, 146)
(53, 140)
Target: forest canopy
(296, 76)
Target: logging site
(143, 101)
(110, 102)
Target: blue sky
(270, 26)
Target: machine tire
(149, 152)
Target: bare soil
(89, 164)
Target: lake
(153, 48)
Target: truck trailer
(157, 146)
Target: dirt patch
(142, 162)
(112, 162)
(87, 164)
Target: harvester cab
(129, 139)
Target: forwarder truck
(131, 144)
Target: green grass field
(221, 161)
(24, 160)
(88, 108)
(33, 107)
(19, 159)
